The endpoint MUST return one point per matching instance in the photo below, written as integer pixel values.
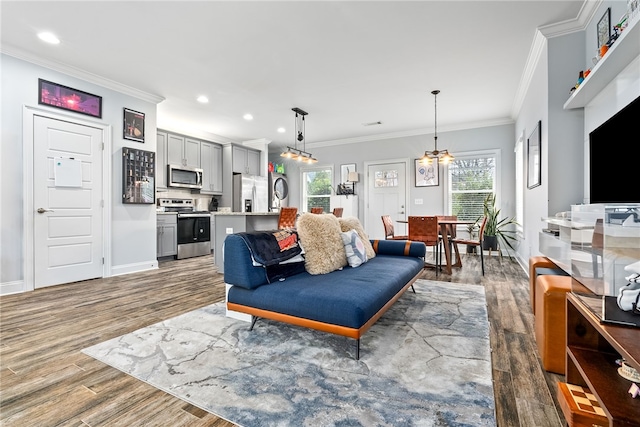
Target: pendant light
(442, 156)
(293, 152)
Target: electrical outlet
(229, 230)
(419, 201)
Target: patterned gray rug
(426, 362)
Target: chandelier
(295, 153)
(442, 156)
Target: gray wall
(412, 147)
(133, 227)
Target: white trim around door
(28, 115)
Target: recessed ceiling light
(247, 117)
(282, 130)
(48, 37)
(203, 99)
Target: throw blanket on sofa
(276, 251)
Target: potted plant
(497, 232)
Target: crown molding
(579, 23)
(542, 34)
(84, 75)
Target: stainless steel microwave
(184, 176)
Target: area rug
(426, 362)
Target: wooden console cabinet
(592, 349)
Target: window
(470, 179)
(316, 188)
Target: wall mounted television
(614, 158)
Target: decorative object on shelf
(293, 152)
(133, 126)
(66, 98)
(627, 371)
(534, 159)
(496, 231)
(138, 181)
(604, 30)
(442, 156)
(427, 175)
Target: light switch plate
(419, 201)
(229, 230)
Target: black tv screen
(614, 158)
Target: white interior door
(67, 198)
(386, 195)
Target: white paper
(67, 172)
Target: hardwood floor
(45, 380)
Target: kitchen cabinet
(161, 160)
(213, 234)
(245, 160)
(211, 163)
(167, 235)
(183, 151)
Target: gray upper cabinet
(161, 160)
(246, 160)
(183, 151)
(211, 161)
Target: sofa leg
(254, 319)
(358, 349)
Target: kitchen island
(237, 222)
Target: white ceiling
(344, 62)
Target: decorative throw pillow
(356, 253)
(320, 237)
(353, 223)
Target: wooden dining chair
(317, 210)
(478, 243)
(287, 218)
(425, 229)
(389, 232)
(338, 212)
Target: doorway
(386, 194)
(65, 236)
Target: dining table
(446, 231)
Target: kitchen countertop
(245, 213)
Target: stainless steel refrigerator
(250, 193)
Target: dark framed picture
(604, 28)
(133, 126)
(427, 175)
(534, 160)
(70, 99)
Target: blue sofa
(345, 302)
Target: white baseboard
(15, 287)
(134, 268)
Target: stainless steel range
(194, 227)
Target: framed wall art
(604, 28)
(138, 176)
(427, 175)
(70, 99)
(133, 126)
(344, 172)
(534, 162)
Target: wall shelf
(621, 53)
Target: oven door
(193, 229)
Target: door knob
(42, 210)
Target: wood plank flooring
(45, 380)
